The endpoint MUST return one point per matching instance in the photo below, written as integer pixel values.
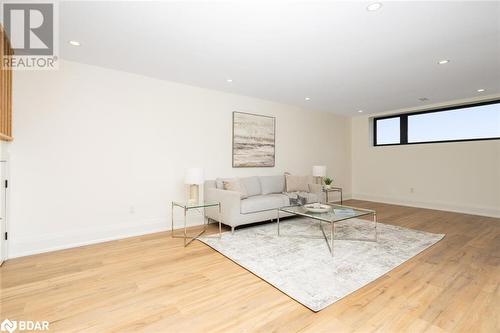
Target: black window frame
(403, 125)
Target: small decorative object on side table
(332, 189)
(197, 206)
(328, 182)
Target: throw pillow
(297, 183)
(315, 188)
(219, 182)
(236, 186)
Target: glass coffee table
(336, 214)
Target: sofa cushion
(264, 202)
(236, 186)
(272, 184)
(252, 185)
(297, 183)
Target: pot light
(229, 80)
(444, 61)
(74, 43)
(360, 111)
(481, 90)
(307, 98)
(374, 6)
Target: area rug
(299, 262)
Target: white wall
(459, 176)
(100, 154)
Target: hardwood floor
(152, 283)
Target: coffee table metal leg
(278, 221)
(376, 230)
(329, 242)
(332, 233)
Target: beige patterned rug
(303, 268)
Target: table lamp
(194, 178)
(319, 171)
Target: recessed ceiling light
(481, 90)
(229, 80)
(444, 61)
(360, 111)
(374, 6)
(74, 43)
(307, 98)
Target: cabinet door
(3, 210)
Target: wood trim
(5, 89)
(4, 137)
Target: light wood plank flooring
(152, 283)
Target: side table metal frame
(188, 240)
(333, 189)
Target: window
(460, 123)
(388, 131)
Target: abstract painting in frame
(253, 140)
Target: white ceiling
(337, 53)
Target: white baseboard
(446, 206)
(52, 242)
(25, 246)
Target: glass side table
(187, 207)
(333, 189)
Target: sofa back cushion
(252, 185)
(297, 183)
(272, 184)
(210, 184)
(236, 186)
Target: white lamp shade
(194, 176)
(319, 171)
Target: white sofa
(265, 195)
